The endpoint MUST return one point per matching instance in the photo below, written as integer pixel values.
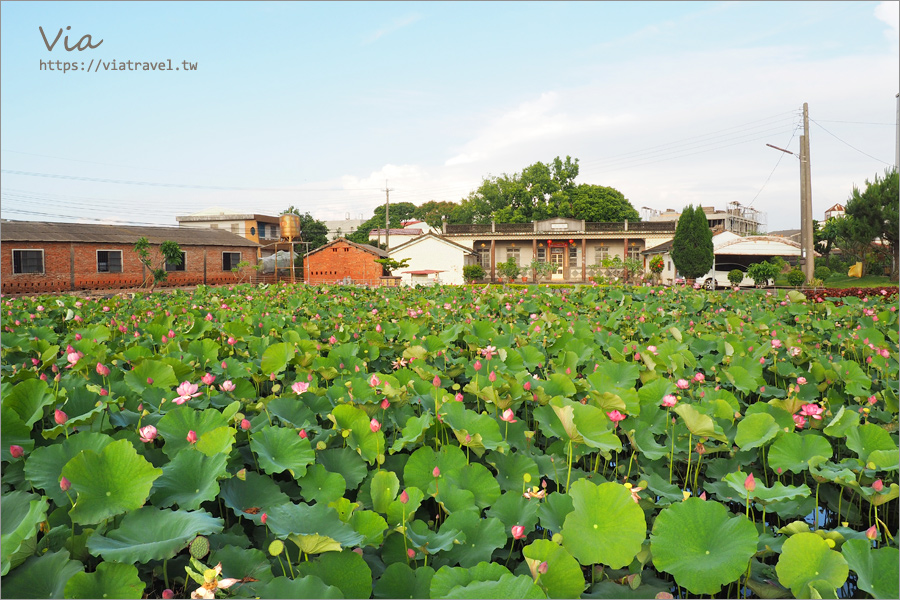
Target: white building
(433, 259)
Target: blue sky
(317, 104)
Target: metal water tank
(290, 225)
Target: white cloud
(396, 25)
(889, 12)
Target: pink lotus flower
(542, 568)
(245, 424)
(682, 384)
(208, 379)
(527, 386)
(404, 497)
(458, 397)
(303, 435)
(750, 483)
(147, 433)
(385, 404)
(872, 533)
(410, 553)
(192, 436)
(332, 340)
(300, 387)
(652, 349)
(60, 417)
(436, 382)
(263, 518)
(102, 369)
(669, 401)
(492, 377)
(801, 380)
(776, 343)
(64, 484)
(374, 425)
(436, 472)
(168, 594)
(476, 365)
(615, 416)
(878, 485)
(16, 451)
(374, 381)
(813, 411)
(518, 532)
(227, 386)
(699, 377)
(508, 416)
(488, 352)
(800, 421)
(73, 357)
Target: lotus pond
(303, 442)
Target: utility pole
(387, 215)
(806, 214)
(897, 150)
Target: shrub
(472, 273)
(822, 273)
(762, 272)
(796, 278)
(508, 269)
(735, 276)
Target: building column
(625, 253)
(534, 258)
(493, 262)
(583, 258)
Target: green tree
(601, 204)
(169, 252)
(692, 248)
(390, 265)
(433, 212)
(400, 211)
(762, 272)
(508, 269)
(473, 272)
(872, 216)
(825, 235)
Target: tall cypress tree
(692, 248)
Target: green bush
(508, 269)
(796, 278)
(735, 276)
(822, 273)
(473, 272)
(762, 272)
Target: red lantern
(571, 241)
(549, 242)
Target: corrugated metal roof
(364, 247)
(435, 236)
(35, 231)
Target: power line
(850, 145)
(856, 122)
(777, 162)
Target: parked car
(718, 277)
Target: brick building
(344, 261)
(40, 257)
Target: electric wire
(850, 145)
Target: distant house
(57, 257)
(262, 229)
(397, 236)
(433, 259)
(343, 261)
(835, 211)
(342, 227)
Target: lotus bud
(60, 417)
(16, 451)
(64, 484)
(192, 436)
(872, 533)
(436, 472)
(404, 497)
(878, 485)
(245, 424)
(750, 483)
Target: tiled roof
(36, 231)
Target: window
(262, 230)
(174, 267)
(28, 261)
(230, 260)
(109, 261)
(634, 252)
(484, 258)
(253, 231)
(573, 255)
(670, 265)
(601, 253)
(542, 254)
(513, 253)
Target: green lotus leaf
(318, 485)
(250, 498)
(482, 537)
(400, 581)
(479, 426)
(110, 483)
(447, 578)
(316, 520)
(188, 480)
(512, 468)
(44, 467)
(755, 430)
(606, 525)
(397, 510)
(218, 441)
(418, 471)
(176, 424)
(563, 578)
(369, 524)
(205, 350)
(28, 399)
(793, 451)
(742, 379)
(279, 449)
(868, 438)
(876, 570)
(702, 545)
(512, 509)
(891, 493)
(413, 432)
(345, 570)
(244, 563)
(558, 384)
(843, 421)
(309, 586)
(557, 420)
(885, 460)
(776, 493)
(805, 558)
(152, 534)
(276, 357)
(644, 440)
(554, 510)
(474, 478)
(369, 444)
(41, 576)
(424, 539)
(22, 514)
(289, 411)
(13, 430)
(161, 374)
(346, 462)
(508, 586)
(110, 580)
(384, 488)
(700, 424)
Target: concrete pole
(897, 150)
(803, 245)
(810, 265)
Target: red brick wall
(57, 276)
(341, 260)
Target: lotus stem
(569, 476)
(672, 451)
(687, 475)
(816, 513)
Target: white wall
(430, 253)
